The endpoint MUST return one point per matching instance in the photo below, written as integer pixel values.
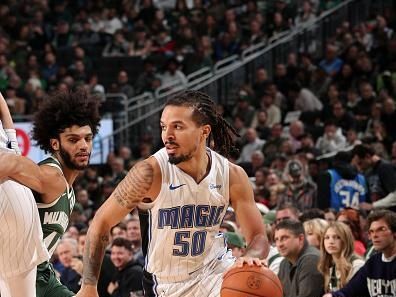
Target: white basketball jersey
(185, 218)
(21, 238)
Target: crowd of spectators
(297, 128)
(47, 45)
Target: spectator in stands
(306, 15)
(253, 143)
(49, 70)
(119, 230)
(298, 271)
(117, 47)
(123, 84)
(82, 198)
(342, 117)
(388, 116)
(331, 64)
(296, 130)
(363, 107)
(377, 276)
(315, 231)
(144, 80)
(380, 176)
(273, 111)
(286, 211)
(128, 278)
(341, 186)
(255, 163)
(272, 146)
(330, 214)
(70, 276)
(235, 243)
(260, 124)
(226, 45)
(300, 191)
(244, 109)
(173, 73)
(351, 218)
(141, 45)
(302, 98)
(332, 140)
(338, 263)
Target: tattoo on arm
(135, 185)
(94, 252)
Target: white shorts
(21, 285)
(204, 283)
(21, 238)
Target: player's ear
(54, 144)
(206, 131)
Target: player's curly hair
(205, 113)
(62, 110)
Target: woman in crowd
(338, 262)
(351, 217)
(314, 231)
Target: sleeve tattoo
(94, 252)
(131, 190)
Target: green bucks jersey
(55, 216)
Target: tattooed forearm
(135, 185)
(94, 251)
(258, 247)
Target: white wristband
(13, 142)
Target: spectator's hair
(72, 242)
(383, 214)
(295, 227)
(342, 157)
(312, 213)
(317, 227)
(122, 242)
(62, 110)
(133, 219)
(120, 225)
(291, 207)
(353, 221)
(343, 265)
(362, 150)
(205, 113)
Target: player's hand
(327, 295)
(250, 261)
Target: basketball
(251, 281)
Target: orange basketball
(251, 281)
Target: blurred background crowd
(311, 124)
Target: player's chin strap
(12, 140)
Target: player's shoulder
(237, 173)
(148, 167)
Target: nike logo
(172, 187)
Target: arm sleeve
(323, 195)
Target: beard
(178, 159)
(67, 159)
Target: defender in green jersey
(64, 126)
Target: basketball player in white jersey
(21, 239)
(186, 188)
(64, 126)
